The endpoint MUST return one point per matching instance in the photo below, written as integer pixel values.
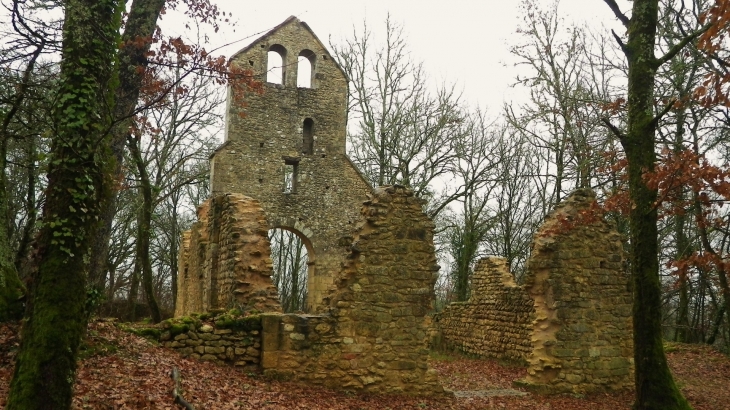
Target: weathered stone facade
(373, 336)
(582, 339)
(370, 334)
(225, 259)
(497, 319)
(576, 336)
(286, 148)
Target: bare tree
(171, 142)
(570, 81)
(402, 133)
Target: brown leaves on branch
(714, 90)
(189, 59)
(170, 60)
(719, 17)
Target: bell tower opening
(276, 64)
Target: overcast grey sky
(460, 41)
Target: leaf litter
(119, 370)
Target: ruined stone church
(372, 264)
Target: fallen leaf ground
(119, 370)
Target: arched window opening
(305, 69)
(291, 268)
(308, 136)
(275, 65)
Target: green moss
(244, 323)
(148, 333)
(92, 348)
(152, 333)
(181, 324)
(188, 320)
(178, 328)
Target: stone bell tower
(286, 147)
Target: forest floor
(119, 370)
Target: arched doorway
(290, 254)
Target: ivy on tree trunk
(56, 315)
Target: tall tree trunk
(142, 261)
(11, 288)
(655, 387)
(716, 324)
(174, 245)
(46, 362)
(682, 334)
(140, 25)
(133, 294)
(30, 204)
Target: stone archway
(293, 260)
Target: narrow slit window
(308, 136)
(290, 177)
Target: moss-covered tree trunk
(46, 363)
(655, 387)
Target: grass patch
(442, 356)
(95, 346)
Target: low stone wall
(496, 321)
(224, 340)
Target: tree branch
(619, 15)
(620, 43)
(679, 46)
(663, 112)
(613, 129)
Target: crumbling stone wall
(496, 321)
(225, 259)
(570, 321)
(372, 334)
(582, 338)
(299, 132)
